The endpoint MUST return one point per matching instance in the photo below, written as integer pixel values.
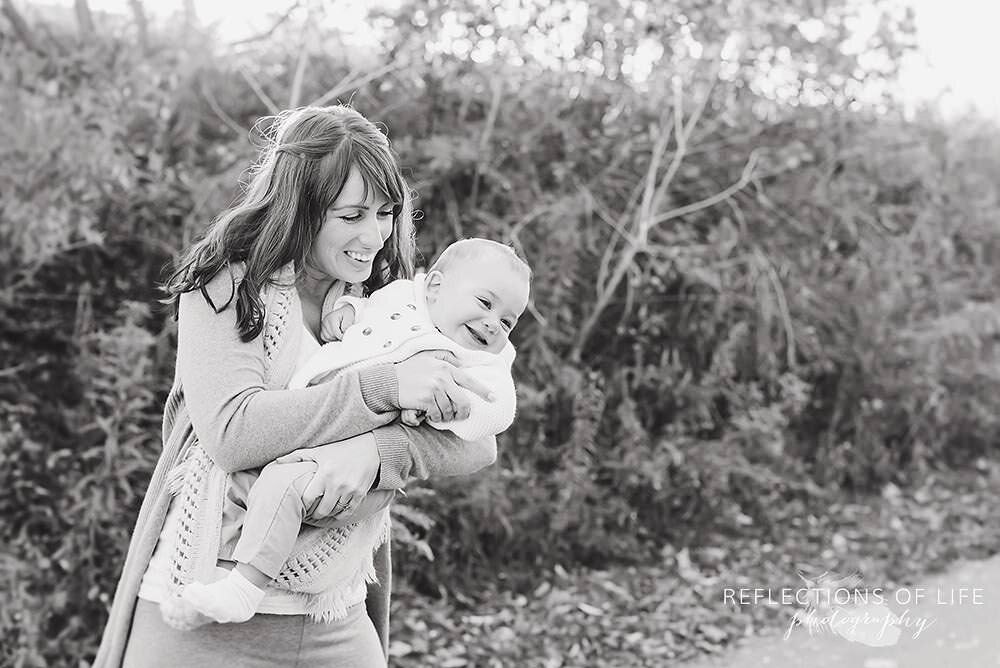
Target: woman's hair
(302, 167)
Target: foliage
(751, 289)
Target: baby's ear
(432, 283)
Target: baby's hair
(474, 248)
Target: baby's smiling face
(477, 301)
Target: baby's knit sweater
(393, 324)
(228, 401)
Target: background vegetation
(758, 287)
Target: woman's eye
(385, 214)
(352, 219)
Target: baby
(468, 303)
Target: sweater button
(415, 328)
(394, 316)
(412, 307)
(387, 344)
(366, 331)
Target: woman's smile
(362, 258)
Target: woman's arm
(349, 471)
(243, 425)
(424, 452)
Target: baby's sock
(231, 599)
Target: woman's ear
(432, 284)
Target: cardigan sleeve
(239, 422)
(422, 452)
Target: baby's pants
(275, 511)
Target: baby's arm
(346, 311)
(487, 418)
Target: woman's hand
(346, 471)
(429, 381)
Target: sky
(958, 43)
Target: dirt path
(959, 633)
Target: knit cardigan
(228, 399)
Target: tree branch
(139, 13)
(261, 95)
(347, 83)
(270, 31)
(21, 27)
(300, 72)
(84, 19)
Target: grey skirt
(265, 641)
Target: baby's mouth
(476, 336)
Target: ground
(674, 611)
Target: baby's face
(476, 302)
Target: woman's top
(154, 585)
(395, 323)
(228, 403)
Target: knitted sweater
(228, 399)
(393, 324)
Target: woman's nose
(371, 235)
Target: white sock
(231, 599)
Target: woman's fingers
(468, 382)
(311, 495)
(435, 410)
(327, 505)
(350, 505)
(289, 458)
(445, 356)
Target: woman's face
(354, 231)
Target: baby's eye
(507, 324)
(485, 302)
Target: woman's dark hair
(300, 172)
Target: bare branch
(300, 72)
(347, 83)
(714, 199)
(259, 91)
(496, 84)
(21, 27)
(270, 31)
(786, 316)
(139, 13)
(84, 19)
(220, 112)
(629, 252)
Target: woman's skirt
(265, 641)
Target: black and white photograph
(489, 333)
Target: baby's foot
(231, 599)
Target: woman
(327, 208)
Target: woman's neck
(312, 288)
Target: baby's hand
(411, 417)
(336, 323)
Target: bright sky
(958, 42)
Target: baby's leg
(274, 515)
